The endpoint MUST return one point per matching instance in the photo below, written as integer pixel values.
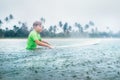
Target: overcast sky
(102, 12)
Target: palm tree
(65, 27)
(6, 19)
(23, 30)
(50, 29)
(91, 23)
(80, 29)
(15, 28)
(11, 17)
(86, 26)
(70, 28)
(107, 29)
(24, 26)
(60, 23)
(54, 29)
(1, 31)
(1, 23)
(42, 20)
(92, 30)
(6, 28)
(96, 30)
(19, 22)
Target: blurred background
(60, 18)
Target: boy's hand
(51, 47)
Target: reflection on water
(91, 62)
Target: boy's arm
(42, 44)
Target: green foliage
(67, 30)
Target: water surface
(92, 62)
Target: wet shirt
(31, 40)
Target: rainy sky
(104, 13)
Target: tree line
(87, 30)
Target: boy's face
(38, 28)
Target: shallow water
(92, 62)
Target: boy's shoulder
(32, 32)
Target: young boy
(35, 39)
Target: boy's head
(37, 26)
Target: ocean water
(99, 61)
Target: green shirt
(31, 40)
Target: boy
(34, 37)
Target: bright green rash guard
(31, 40)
